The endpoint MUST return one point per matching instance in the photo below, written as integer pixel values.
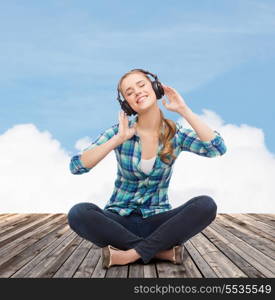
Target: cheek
(151, 91)
(131, 100)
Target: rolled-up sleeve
(76, 165)
(189, 141)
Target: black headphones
(158, 89)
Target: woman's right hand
(124, 131)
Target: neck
(149, 122)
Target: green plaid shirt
(134, 189)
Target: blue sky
(61, 61)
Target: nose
(138, 93)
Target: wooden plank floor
(43, 245)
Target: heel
(106, 256)
(178, 255)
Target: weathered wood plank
(220, 263)
(136, 270)
(117, 272)
(191, 269)
(227, 248)
(3, 214)
(150, 271)
(245, 234)
(256, 258)
(70, 266)
(270, 216)
(267, 220)
(11, 266)
(53, 261)
(9, 220)
(169, 270)
(3, 217)
(258, 224)
(22, 272)
(14, 225)
(188, 269)
(99, 272)
(88, 264)
(202, 265)
(11, 236)
(241, 221)
(43, 245)
(27, 239)
(10, 229)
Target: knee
(77, 213)
(74, 214)
(207, 206)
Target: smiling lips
(140, 99)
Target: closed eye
(129, 94)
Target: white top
(146, 165)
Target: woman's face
(138, 91)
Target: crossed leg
(164, 230)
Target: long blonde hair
(167, 128)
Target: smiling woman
(140, 94)
(138, 221)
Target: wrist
(118, 139)
(185, 111)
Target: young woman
(138, 222)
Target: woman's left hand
(177, 104)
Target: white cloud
(35, 174)
(239, 181)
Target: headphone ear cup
(158, 89)
(127, 108)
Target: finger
(121, 121)
(173, 91)
(169, 88)
(164, 88)
(125, 119)
(125, 114)
(120, 116)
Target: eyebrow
(131, 87)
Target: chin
(145, 109)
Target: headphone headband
(146, 72)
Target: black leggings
(148, 235)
